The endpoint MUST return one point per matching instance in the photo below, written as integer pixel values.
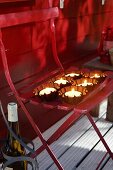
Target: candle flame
(72, 74)
(47, 90)
(61, 81)
(96, 75)
(73, 93)
(85, 83)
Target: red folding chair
(103, 90)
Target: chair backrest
(12, 19)
(31, 16)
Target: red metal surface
(13, 19)
(35, 127)
(73, 35)
(104, 90)
(9, 80)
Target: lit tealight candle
(85, 83)
(61, 81)
(73, 93)
(47, 90)
(72, 74)
(95, 76)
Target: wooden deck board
(97, 153)
(81, 147)
(109, 165)
(76, 142)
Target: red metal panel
(21, 19)
(17, 41)
(34, 126)
(26, 17)
(4, 1)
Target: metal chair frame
(95, 97)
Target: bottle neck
(13, 118)
(13, 123)
(15, 127)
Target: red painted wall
(80, 25)
(28, 47)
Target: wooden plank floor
(79, 148)
(96, 64)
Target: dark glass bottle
(12, 147)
